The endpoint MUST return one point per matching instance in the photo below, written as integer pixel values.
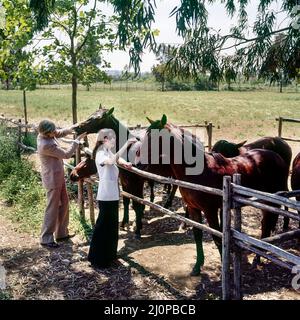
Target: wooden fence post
(280, 127)
(226, 237)
(237, 254)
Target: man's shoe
(50, 245)
(66, 238)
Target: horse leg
(151, 185)
(125, 221)
(186, 215)
(198, 235)
(286, 222)
(213, 221)
(139, 212)
(169, 201)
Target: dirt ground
(155, 267)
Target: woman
(104, 244)
(56, 219)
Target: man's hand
(82, 136)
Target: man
(56, 217)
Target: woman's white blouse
(108, 188)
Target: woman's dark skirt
(104, 244)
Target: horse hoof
(124, 226)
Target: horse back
(274, 144)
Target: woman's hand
(127, 165)
(131, 141)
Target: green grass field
(239, 115)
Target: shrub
(30, 140)
(8, 152)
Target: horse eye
(138, 153)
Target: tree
(281, 61)
(135, 19)
(229, 72)
(161, 74)
(25, 77)
(78, 38)
(16, 32)
(16, 64)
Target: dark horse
(131, 183)
(295, 178)
(276, 144)
(260, 169)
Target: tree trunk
(25, 111)
(74, 98)
(78, 157)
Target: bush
(30, 140)
(8, 152)
(203, 83)
(177, 85)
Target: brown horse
(130, 182)
(295, 178)
(276, 144)
(260, 169)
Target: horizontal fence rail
(266, 246)
(280, 125)
(269, 197)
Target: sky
(167, 27)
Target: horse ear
(164, 120)
(109, 112)
(238, 145)
(151, 121)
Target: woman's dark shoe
(50, 245)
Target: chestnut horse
(276, 144)
(295, 178)
(260, 169)
(131, 183)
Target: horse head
(227, 149)
(165, 144)
(102, 118)
(84, 169)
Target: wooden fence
(280, 125)
(234, 240)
